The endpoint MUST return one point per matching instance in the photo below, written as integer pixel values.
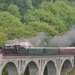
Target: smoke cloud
(68, 39)
(39, 40)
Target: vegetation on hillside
(72, 72)
(26, 18)
(5, 71)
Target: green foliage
(9, 25)
(3, 38)
(22, 5)
(36, 3)
(6, 20)
(30, 16)
(14, 28)
(5, 71)
(29, 4)
(44, 27)
(2, 1)
(14, 10)
(52, 14)
(72, 72)
(4, 7)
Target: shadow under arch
(67, 66)
(11, 68)
(31, 69)
(50, 68)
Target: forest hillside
(27, 18)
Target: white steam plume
(67, 39)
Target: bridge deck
(37, 56)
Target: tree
(14, 10)
(4, 7)
(44, 27)
(3, 38)
(30, 16)
(9, 25)
(36, 3)
(2, 1)
(5, 71)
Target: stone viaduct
(37, 65)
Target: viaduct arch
(66, 67)
(31, 69)
(11, 66)
(50, 68)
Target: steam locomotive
(19, 50)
